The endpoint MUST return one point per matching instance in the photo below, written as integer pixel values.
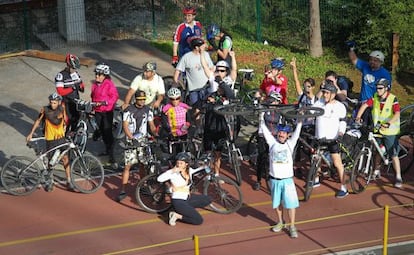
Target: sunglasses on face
(379, 88)
(175, 99)
(220, 70)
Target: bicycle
(155, 197)
(363, 171)
(21, 175)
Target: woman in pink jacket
(105, 94)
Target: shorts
(333, 148)
(214, 141)
(134, 156)
(284, 190)
(53, 143)
(391, 144)
(197, 97)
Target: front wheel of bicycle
(226, 196)
(152, 196)
(361, 172)
(406, 153)
(303, 112)
(310, 180)
(235, 164)
(19, 177)
(87, 173)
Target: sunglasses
(221, 70)
(378, 88)
(175, 99)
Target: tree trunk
(315, 37)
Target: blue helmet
(285, 128)
(212, 31)
(277, 64)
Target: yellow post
(386, 216)
(196, 245)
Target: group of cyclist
(208, 85)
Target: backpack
(346, 80)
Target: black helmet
(196, 41)
(329, 86)
(183, 156)
(384, 82)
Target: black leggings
(104, 122)
(262, 158)
(187, 208)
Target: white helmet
(377, 54)
(102, 69)
(174, 93)
(222, 63)
(276, 96)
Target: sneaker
(316, 184)
(278, 227)
(398, 183)
(293, 232)
(172, 218)
(256, 186)
(341, 194)
(121, 196)
(70, 186)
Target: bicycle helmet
(102, 69)
(223, 63)
(377, 54)
(277, 64)
(275, 96)
(183, 156)
(384, 82)
(149, 66)
(329, 86)
(72, 61)
(174, 93)
(195, 41)
(212, 31)
(285, 128)
(189, 10)
(55, 97)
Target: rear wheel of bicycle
(361, 176)
(406, 152)
(18, 178)
(310, 180)
(303, 112)
(87, 173)
(152, 195)
(226, 196)
(235, 164)
(81, 136)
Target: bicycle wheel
(252, 150)
(407, 118)
(225, 194)
(406, 153)
(236, 162)
(81, 135)
(152, 195)
(87, 173)
(20, 178)
(303, 112)
(234, 109)
(117, 130)
(310, 180)
(361, 175)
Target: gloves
(351, 44)
(174, 61)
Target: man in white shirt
(149, 82)
(331, 125)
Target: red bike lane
(63, 222)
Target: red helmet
(189, 10)
(72, 61)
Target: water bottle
(55, 157)
(207, 169)
(383, 152)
